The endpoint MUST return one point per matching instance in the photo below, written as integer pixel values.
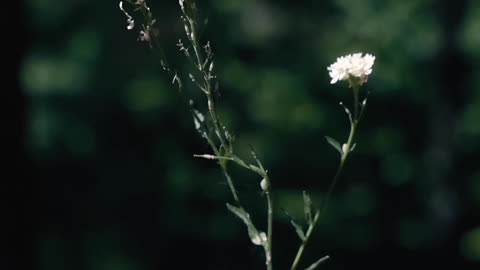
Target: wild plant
(352, 68)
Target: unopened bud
(264, 185)
(345, 148)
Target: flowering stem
(323, 206)
(213, 115)
(224, 152)
(208, 90)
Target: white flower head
(354, 65)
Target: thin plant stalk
(225, 152)
(346, 150)
(268, 247)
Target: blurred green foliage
(113, 144)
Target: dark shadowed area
(105, 176)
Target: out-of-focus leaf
(298, 229)
(307, 206)
(335, 144)
(317, 263)
(257, 238)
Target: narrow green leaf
(317, 263)
(239, 161)
(257, 170)
(239, 212)
(256, 237)
(248, 166)
(335, 144)
(307, 206)
(299, 230)
(353, 147)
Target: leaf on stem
(353, 147)
(307, 206)
(317, 263)
(347, 111)
(239, 161)
(298, 229)
(257, 238)
(248, 166)
(257, 170)
(335, 144)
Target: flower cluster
(148, 31)
(354, 65)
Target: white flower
(354, 65)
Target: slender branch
(208, 90)
(222, 148)
(223, 165)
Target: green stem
(323, 206)
(304, 243)
(317, 213)
(216, 122)
(355, 101)
(213, 113)
(195, 43)
(223, 165)
(208, 91)
(268, 251)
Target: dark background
(103, 174)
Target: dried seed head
(130, 21)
